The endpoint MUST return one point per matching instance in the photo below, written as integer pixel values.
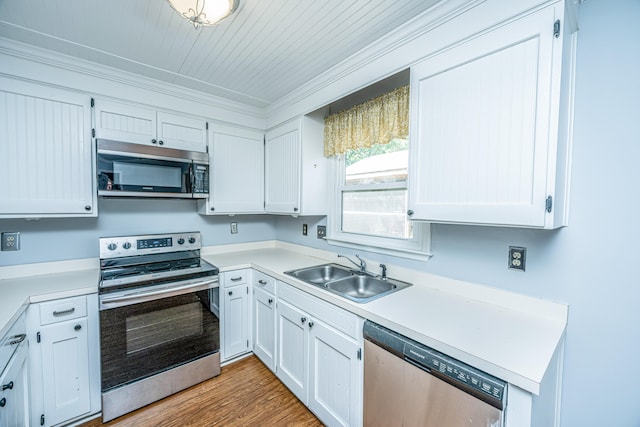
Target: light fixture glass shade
(204, 12)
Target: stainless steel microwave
(136, 170)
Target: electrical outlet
(10, 241)
(517, 258)
(234, 228)
(322, 231)
(304, 229)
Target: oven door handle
(136, 297)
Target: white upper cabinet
(236, 159)
(295, 168)
(490, 127)
(47, 153)
(141, 125)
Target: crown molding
(84, 67)
(438, 14)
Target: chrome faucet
(362, 266)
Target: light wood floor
(246, 393)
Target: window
(370, 202)
(369, 153)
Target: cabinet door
(292, 353)
(237, 172)
(236, 321)
(335, 377)
(14, 390)
(264, 328)
(124, 122)
(182, 133)
(282, 169)
(65, 368)
(46, 152)
(480, 132)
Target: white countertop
(47, 281)
(508, 335)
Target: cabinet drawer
(234, 278)
(264, 282)
(328, 313)
(63, 309)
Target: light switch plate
(11, 241)
(322, 231)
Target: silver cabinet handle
(303, 319)
(18, 339)
(64, 312)
(235, 279)
(262, 282)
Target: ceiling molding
(77, 65)
(438, 14)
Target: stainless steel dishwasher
(409, 384)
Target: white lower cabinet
(64, 360)
(235, 314)
(264, 319)
(14, 381)
(319, 356)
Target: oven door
(146, 332)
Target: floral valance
(376, 121)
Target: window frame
(416, 248)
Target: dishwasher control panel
(455, 371)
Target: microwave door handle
(192, 178)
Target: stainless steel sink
(320, 274)
(347, 283)
(362, 288)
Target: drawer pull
(310, 325)
(64, 312)
(17, 339)
(230, 292)
(262, 282)
(270, 300)
(235, 279)
(7, 386)
(3, 402)
(303, 319)
(77, 327)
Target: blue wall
(592, 265)
(51, 239)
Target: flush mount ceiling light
(204, 12)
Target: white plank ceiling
(265, 50)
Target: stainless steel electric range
(157, 332)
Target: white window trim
(417, 248)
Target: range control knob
(181, 241)
(112, 246)
(126, 245)
(192, 240)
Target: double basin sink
(351, 284)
